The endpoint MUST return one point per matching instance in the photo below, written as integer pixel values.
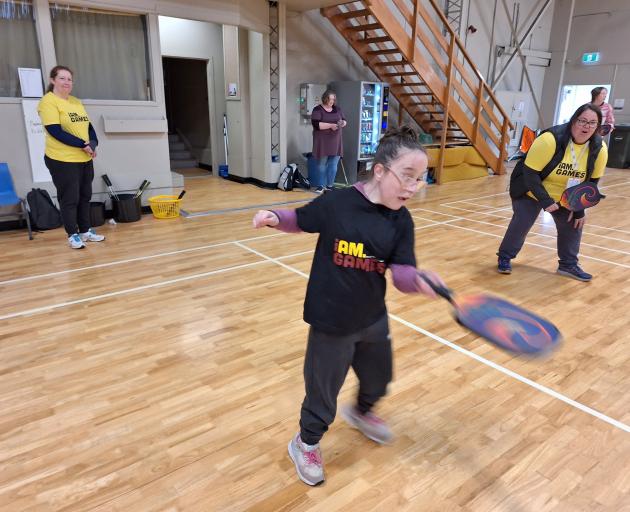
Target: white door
(572, 97)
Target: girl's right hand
(265, 218)
(424, 287)
(552, 208)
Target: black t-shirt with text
(358, 240)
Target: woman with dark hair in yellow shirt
(578, 154)
(70, 148)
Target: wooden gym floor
(162, 370)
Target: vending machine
(365, 106)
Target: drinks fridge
(365, 106)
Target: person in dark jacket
(363, 230)
(573, 145)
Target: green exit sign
(590, 58)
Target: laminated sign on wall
(36, 140)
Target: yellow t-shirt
(563, 176)
(73, 118)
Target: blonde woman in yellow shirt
(70, 148)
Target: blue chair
(8, 197)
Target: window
(18, 44)
(107, 51)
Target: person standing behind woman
(70, 148)
(363, 230)
(573, 151)
(327, 119)
(598, 98)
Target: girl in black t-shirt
(363, 230)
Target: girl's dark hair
(53, 74)
(596, 92)
(327, 94)
(395, 141)
(581, 110)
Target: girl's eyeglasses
(586, 123)
(405, 181)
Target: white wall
(493, 28)
(602, 26)
(200, 40)
(260, 101)
(128, 158)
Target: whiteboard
(36, 140)
(31, 82)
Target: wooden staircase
(429, 72)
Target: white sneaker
(307, 460)
(369, 424)
(76, 242)
(91, 236)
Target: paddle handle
(442, 291)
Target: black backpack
(43, 212)
(285, 181)
(562, 134)
(299, 181)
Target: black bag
(43, 212)
(285, 181)
(299, 181)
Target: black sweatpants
(73, 182)
(326, 364)
(526, 211)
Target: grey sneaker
(369, 424)
(308, 461)
(91, 236)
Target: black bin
(127, 208)
(97, 214)
(619, 150)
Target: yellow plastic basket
(165, 207)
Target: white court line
(51, 307)
(492, 214)
(131, 260)
(514, 375)
(544, 389)
(616, 185)
(534, 244)
(544, 235)
(474, 198)
(506, 192)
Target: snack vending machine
(365, 107)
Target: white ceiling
(307, 5)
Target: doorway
(187, 112)
(572, 97)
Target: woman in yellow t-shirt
(580, 140)
(70, 148)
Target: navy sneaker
(504, 266)
(575, 272)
